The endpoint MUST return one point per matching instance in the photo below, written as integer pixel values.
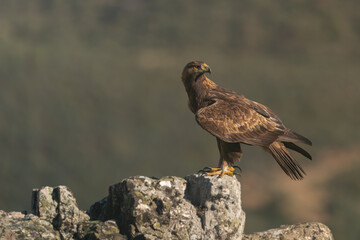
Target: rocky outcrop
(304, 231)
(16, 225)
(55, 216)
(58, 206)
(197, 207)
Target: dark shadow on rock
(197, 190)
(96, 210)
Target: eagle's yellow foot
(218, 171)
(208, 169)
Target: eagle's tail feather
(290, 136)
(288, 164)
(298, 149)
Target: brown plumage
(234, 119)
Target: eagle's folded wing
(236, 121)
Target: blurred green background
(91, 94)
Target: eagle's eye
(196, 67)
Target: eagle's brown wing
(236, 119)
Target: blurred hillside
(91, 93)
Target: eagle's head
(193, 71)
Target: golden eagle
(234, 119)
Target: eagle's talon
(204, 170)
(230, 171)
(208, 170)
(238, 168)
(220, 173)
(214, 173)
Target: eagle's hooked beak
(206, 68)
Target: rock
(16, 225)
(153, 209)
(98, 209)
(96, 230)
(199, 207)
(218, 203)
(58, 206)
(302, 231)
(55, 216)
(194, 208)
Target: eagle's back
(234, 118)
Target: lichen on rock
(305, 231)
(58, 206)
(99, 230)
(15, 225)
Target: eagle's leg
(221, 171)
(229, 154)
(218, 171)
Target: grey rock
(15, 225)
(302, 231)
(55, 216)
(153, 209)
(218, 203)
(194, 208)
(199, 207)
(58, 206)
(96, 230)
